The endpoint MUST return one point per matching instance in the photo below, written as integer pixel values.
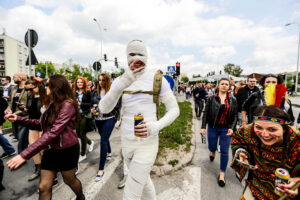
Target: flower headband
(38, 79)
(271, 119)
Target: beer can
(282, 176)
(138, 119)
(96, 108)
(203, 137)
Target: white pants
(139, 157)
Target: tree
(234, 70)
(184, 79)
(196, 76)
(41, 68)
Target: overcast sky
(202, 35)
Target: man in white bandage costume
(139, 152)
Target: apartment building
(13, 56)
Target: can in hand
(282, 176)
(96, 108)
(203, 138)
(138, 119)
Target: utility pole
(29, 52)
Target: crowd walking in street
(51, 119)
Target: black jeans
(81, 133)
(198, 108)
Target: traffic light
(105, 58)
(178, 68)
(116, 62)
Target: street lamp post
(101, 40)
(296, 86)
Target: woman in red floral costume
(267, 144)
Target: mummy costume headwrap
(136, 47)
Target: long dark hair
(276, 112)
(60, 92)
(262, 81)
(41, 86)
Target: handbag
(90, 123)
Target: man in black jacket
(199, 97)
(244, 93)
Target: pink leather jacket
(60, 135)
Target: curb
(186, 160)
(6, 130)
(94, 188)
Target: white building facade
(13, 56)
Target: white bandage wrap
(172, 113)
(139, 157)
(110, 100)
(136, 47)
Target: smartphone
(245, 163)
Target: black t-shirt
(33, 111)
(16, 99)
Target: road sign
(170, 81)
(171, 69)
(33, 59)
(38, 74)
(97, 66)
(33, 38)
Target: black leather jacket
(211, 112)
(257, 99)
(86, 103)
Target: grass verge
(7, 124)
(179, 132)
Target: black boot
(36, 173)
(82, 197)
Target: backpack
(157, 81)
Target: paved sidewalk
(17, 186)
(295, 101)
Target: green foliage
(184, 79)
(7, 124)
(71, 70)
(196, 76)
(234, 70)
(179, 132)
(41, 67)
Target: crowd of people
(51, 118)
(257, 122)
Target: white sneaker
(81, 158)
(219, 149)
(77, 170)
(122, 182)
(91, 147)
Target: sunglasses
(272, 75)
(30, 89)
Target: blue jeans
(212, 136)
(7, 147)
(22, 133)
(105, 127)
